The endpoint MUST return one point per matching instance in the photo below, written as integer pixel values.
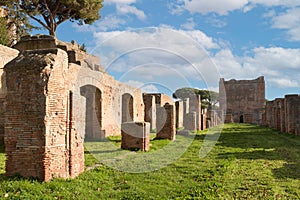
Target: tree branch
(39, 21)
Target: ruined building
(243, 101)
(53, 97)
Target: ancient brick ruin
(243, 101)
(283, 114)
(54, 97)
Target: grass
(247, 162)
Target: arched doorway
(93, 111)
(127, 108)
(241, 119)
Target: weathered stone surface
(190, 121)
(136, 135)
(292, 114)
(179, 114)
(150, 110)
(183, 132)
(165, 122)
(39, 137)
(6, 55)
(195, 106)
(53, 105)
(241, 99)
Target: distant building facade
(243, 101)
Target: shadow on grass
(257, 142)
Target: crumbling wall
(54, 90)
(39, 138)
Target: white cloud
(290, 21)
(280, 66)
(225, 6)
(175, 57)
(167, 56)
(189, 25)
(110, 22)
(215, 6)
(146, 88)
(124, 9)
(284, 82)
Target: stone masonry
(165, 122)
(57, 96)
(179, 114)
(242, 100)
(54, 90)
(283, 114)
(136, 135)
(6, 55)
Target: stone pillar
(136, 135)
(278, 105)
(292, 113)
(150, 110)
(195, 106)
(190, 121)
(203, 118)
(269, 114)
(40, 137)
(179, 114)
(165, 122)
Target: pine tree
(51, 13)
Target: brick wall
(242, 97)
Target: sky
(162, 45)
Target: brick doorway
(93, 112)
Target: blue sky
(160, 45)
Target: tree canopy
(51, 13)
(209, 99)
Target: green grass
(247, 162)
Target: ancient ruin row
(283, 114)
(54, 97)
(57, 97)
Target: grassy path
(247, 162)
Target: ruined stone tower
(242, 100)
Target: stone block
(190, 121)
(136, 135)
(183, 132)
(165, 122)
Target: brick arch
(93, 111)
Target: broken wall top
(75, 54)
